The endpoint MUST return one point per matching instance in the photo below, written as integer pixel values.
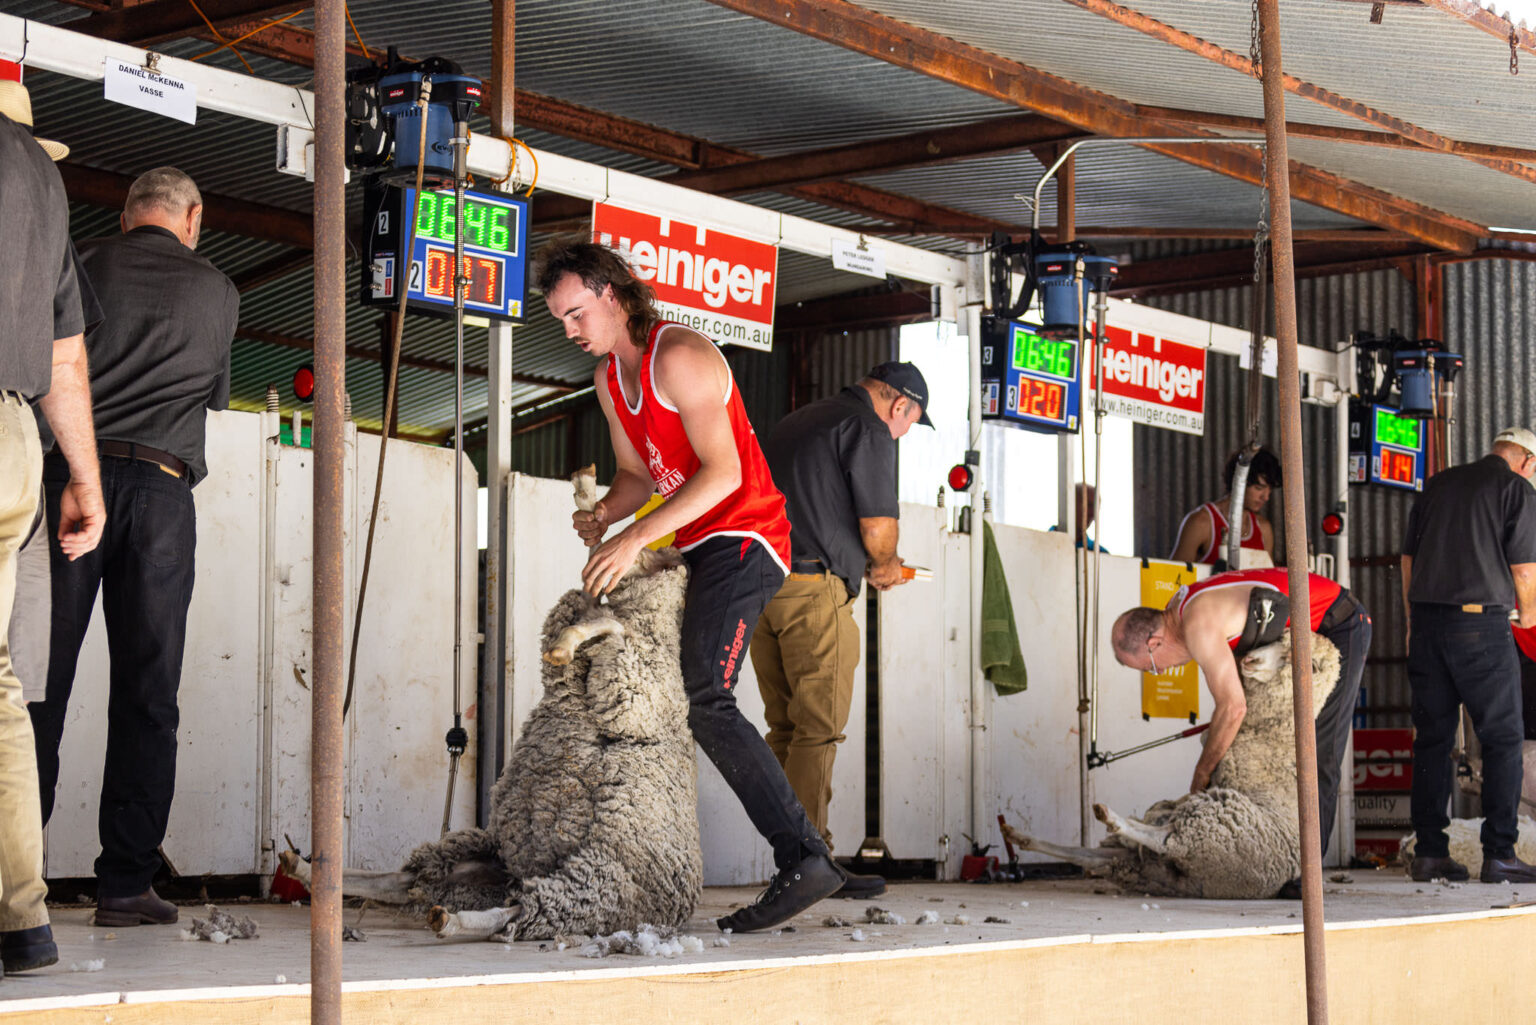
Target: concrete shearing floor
(137, 962)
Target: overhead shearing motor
(384, 118)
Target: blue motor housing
(1416, 382)
(1056, 273)
(453, 97)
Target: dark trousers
(730, 581)
(143, 569)
(1348, 626)
(1460, 658)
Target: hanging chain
(1261, 229)
(1514, 50)
(1254, 53)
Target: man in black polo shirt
(42, 360)
(835, 461)
(1469, 560)
(159, 360)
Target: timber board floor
(154, 958)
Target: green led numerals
(498, 236)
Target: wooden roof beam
(159, 20)
(1233, 268)
(1423, 137)
(220, 213)
(1327, 133)
(877, 36)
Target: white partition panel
(219, 756)
(243, 754)
(925, 694)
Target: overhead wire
(220, 36)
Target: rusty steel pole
(327, 773)
(1289, 377)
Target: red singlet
(754, 510)
(1322, 593)
(1253, 538)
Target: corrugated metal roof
(696, 68)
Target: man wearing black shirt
(835, 461)
(159, 360)
(42, 360)
(1469, 560)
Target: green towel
(1001, 657)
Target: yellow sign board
(1172, 693)
(645, 510)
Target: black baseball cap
(907, 379)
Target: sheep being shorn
(594, 825)
(1239, 837)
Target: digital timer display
(494, 264)
(1028, 380)
(1044, 355)
(1386, 448)
(1392, 429)
(486, 225)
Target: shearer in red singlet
(1223, 617)
(1203, 532)
(678, 426)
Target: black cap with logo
(907, 379)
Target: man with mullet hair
(158, 361)
(678, 427)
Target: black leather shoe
(791, 892)
(861, 887)
(1423, 870)
(1507, 870)
(145, 909)
(22, 950)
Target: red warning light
(304, 383)
(1333, 524)
(960, 477)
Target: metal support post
(1289, 378)
(494, 719)
(327, 766)
(975, 290)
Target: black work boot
(1507, 869)
(146, 908)
(861, 887)
(1425, 869)
(792, 891)
(22, 950)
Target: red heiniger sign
(720, 285)
(1153, 380)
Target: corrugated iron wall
(1176, 472)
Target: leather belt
(811, 567)
(133, 450)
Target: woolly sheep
(594, 823)
(1238, 838)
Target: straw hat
(16, 104)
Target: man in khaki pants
(42, 359)
(835, 461)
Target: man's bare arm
(1205, 637)
(1194, 536)
(632, 486)
(879, 534)
(82, 513)
(1524, 574)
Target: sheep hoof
(559, 656)
(1102, 813)
(439, 920)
